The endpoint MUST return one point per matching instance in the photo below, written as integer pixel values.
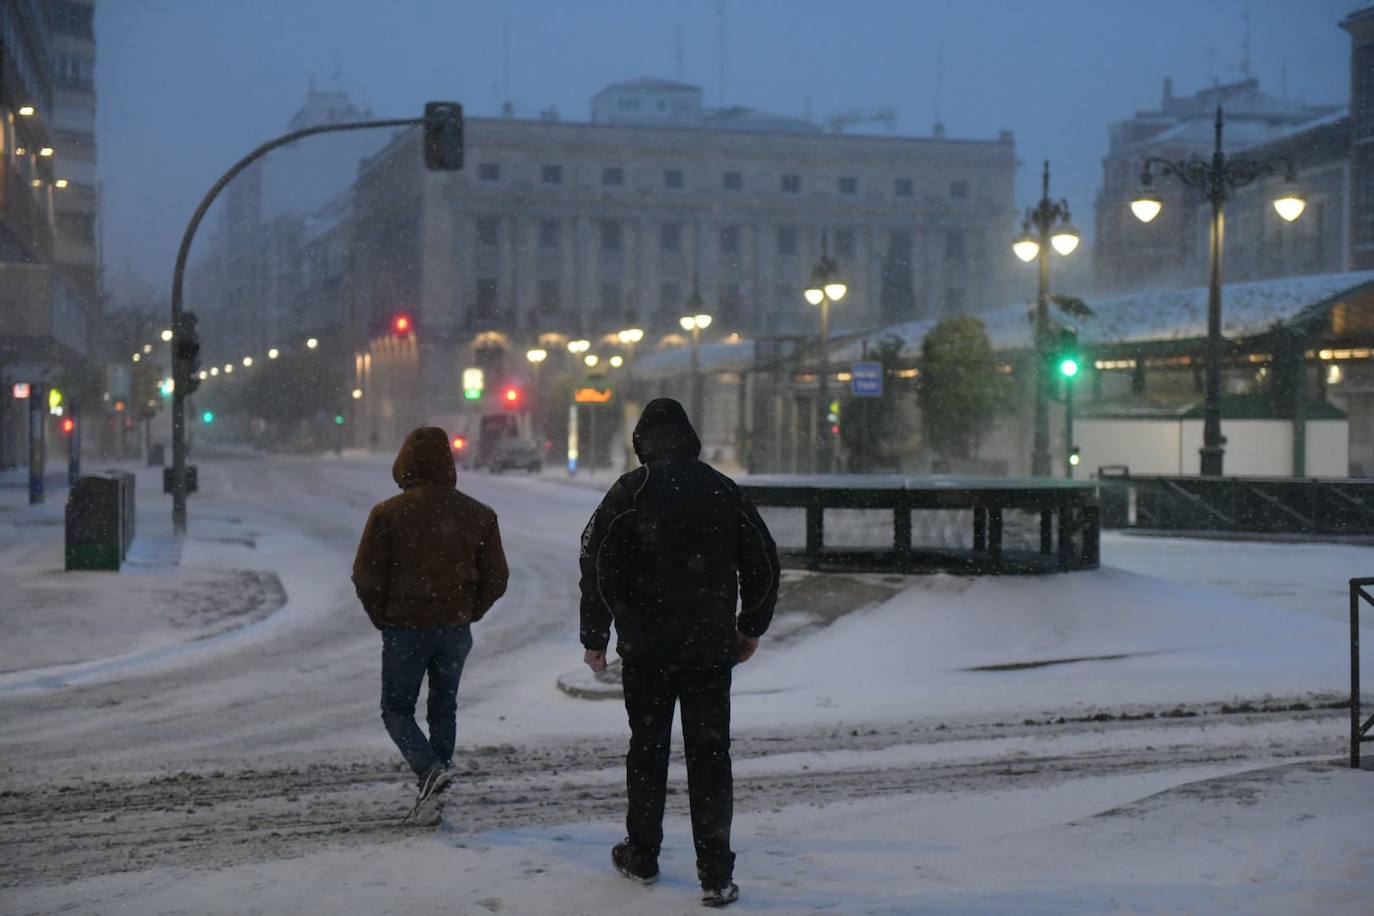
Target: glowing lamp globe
(1026, 247)
(1146, 206)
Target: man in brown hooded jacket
(429, 565)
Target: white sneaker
(429, 801)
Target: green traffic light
(1068, 367)
(208, 417)
(472, 394)
(338, 419)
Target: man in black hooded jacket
(667, 556)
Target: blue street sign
(866, 381)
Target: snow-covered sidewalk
(1284, 840)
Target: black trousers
(650, 694)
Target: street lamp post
(826, 287)
(629, 337)
(1216, 179)
(536, 359)
(696, 322)
(1045, 226)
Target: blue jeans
(408, 654)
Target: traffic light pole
(180, 372)
(1068, 427)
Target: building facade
(49, 286)
(583, 228)
(1360, 25)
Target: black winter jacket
(670, 552)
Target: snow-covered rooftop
(1247, 309)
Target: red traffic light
(511, 396)
(459, 443)
(401, 324)
(68, 424)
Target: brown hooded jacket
(430, 556)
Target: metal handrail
(1359, 731)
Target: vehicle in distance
(515, 453)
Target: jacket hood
(663, 431)
(424, 458)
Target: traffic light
(443, 136)
(338, 419)
(474, 380)
(402, 325)
(1066, 358)
(68, 424)
(186, 358)
(1075, 456)
(511, 397)
(207, 417)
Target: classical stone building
(1360, 25)
(584, 228)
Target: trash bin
(126, 481)
(157, 455)
(95, 523)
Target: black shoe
(633, 864)
(720, 896)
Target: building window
(489, 171)
(610, 234)
(486, 300)
(669, 296)
(610, 297)
(670, 237)
(731, 304)
(954, 245)
(488, 230)
(791, 184)
(849, 186)
(844, 243)
(548, 297)
(787, 240)
(732, 181)
(902, 187)
(958, 190)
(729, 240)
(549, 231)
(551, 174)
(613, 177)
(673, 180)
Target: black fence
(1359, 731)
(969, 525)
(1273, 505)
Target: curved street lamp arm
(179, 274)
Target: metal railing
(1359, 731)
(1065, 512)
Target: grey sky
(187, 86)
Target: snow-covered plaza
(199, 732)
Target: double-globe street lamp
(630, 408)
(1045, 226)
(826, 287)
(1216, 179)
(696, 321)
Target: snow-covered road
(265, 743)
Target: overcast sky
(187, 86)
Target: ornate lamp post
(536, 359)
(1216, 179)
(826, 287)
(696, 322)
(629, 337)
(1045, 226)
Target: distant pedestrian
(667, 556)
(428, 566)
